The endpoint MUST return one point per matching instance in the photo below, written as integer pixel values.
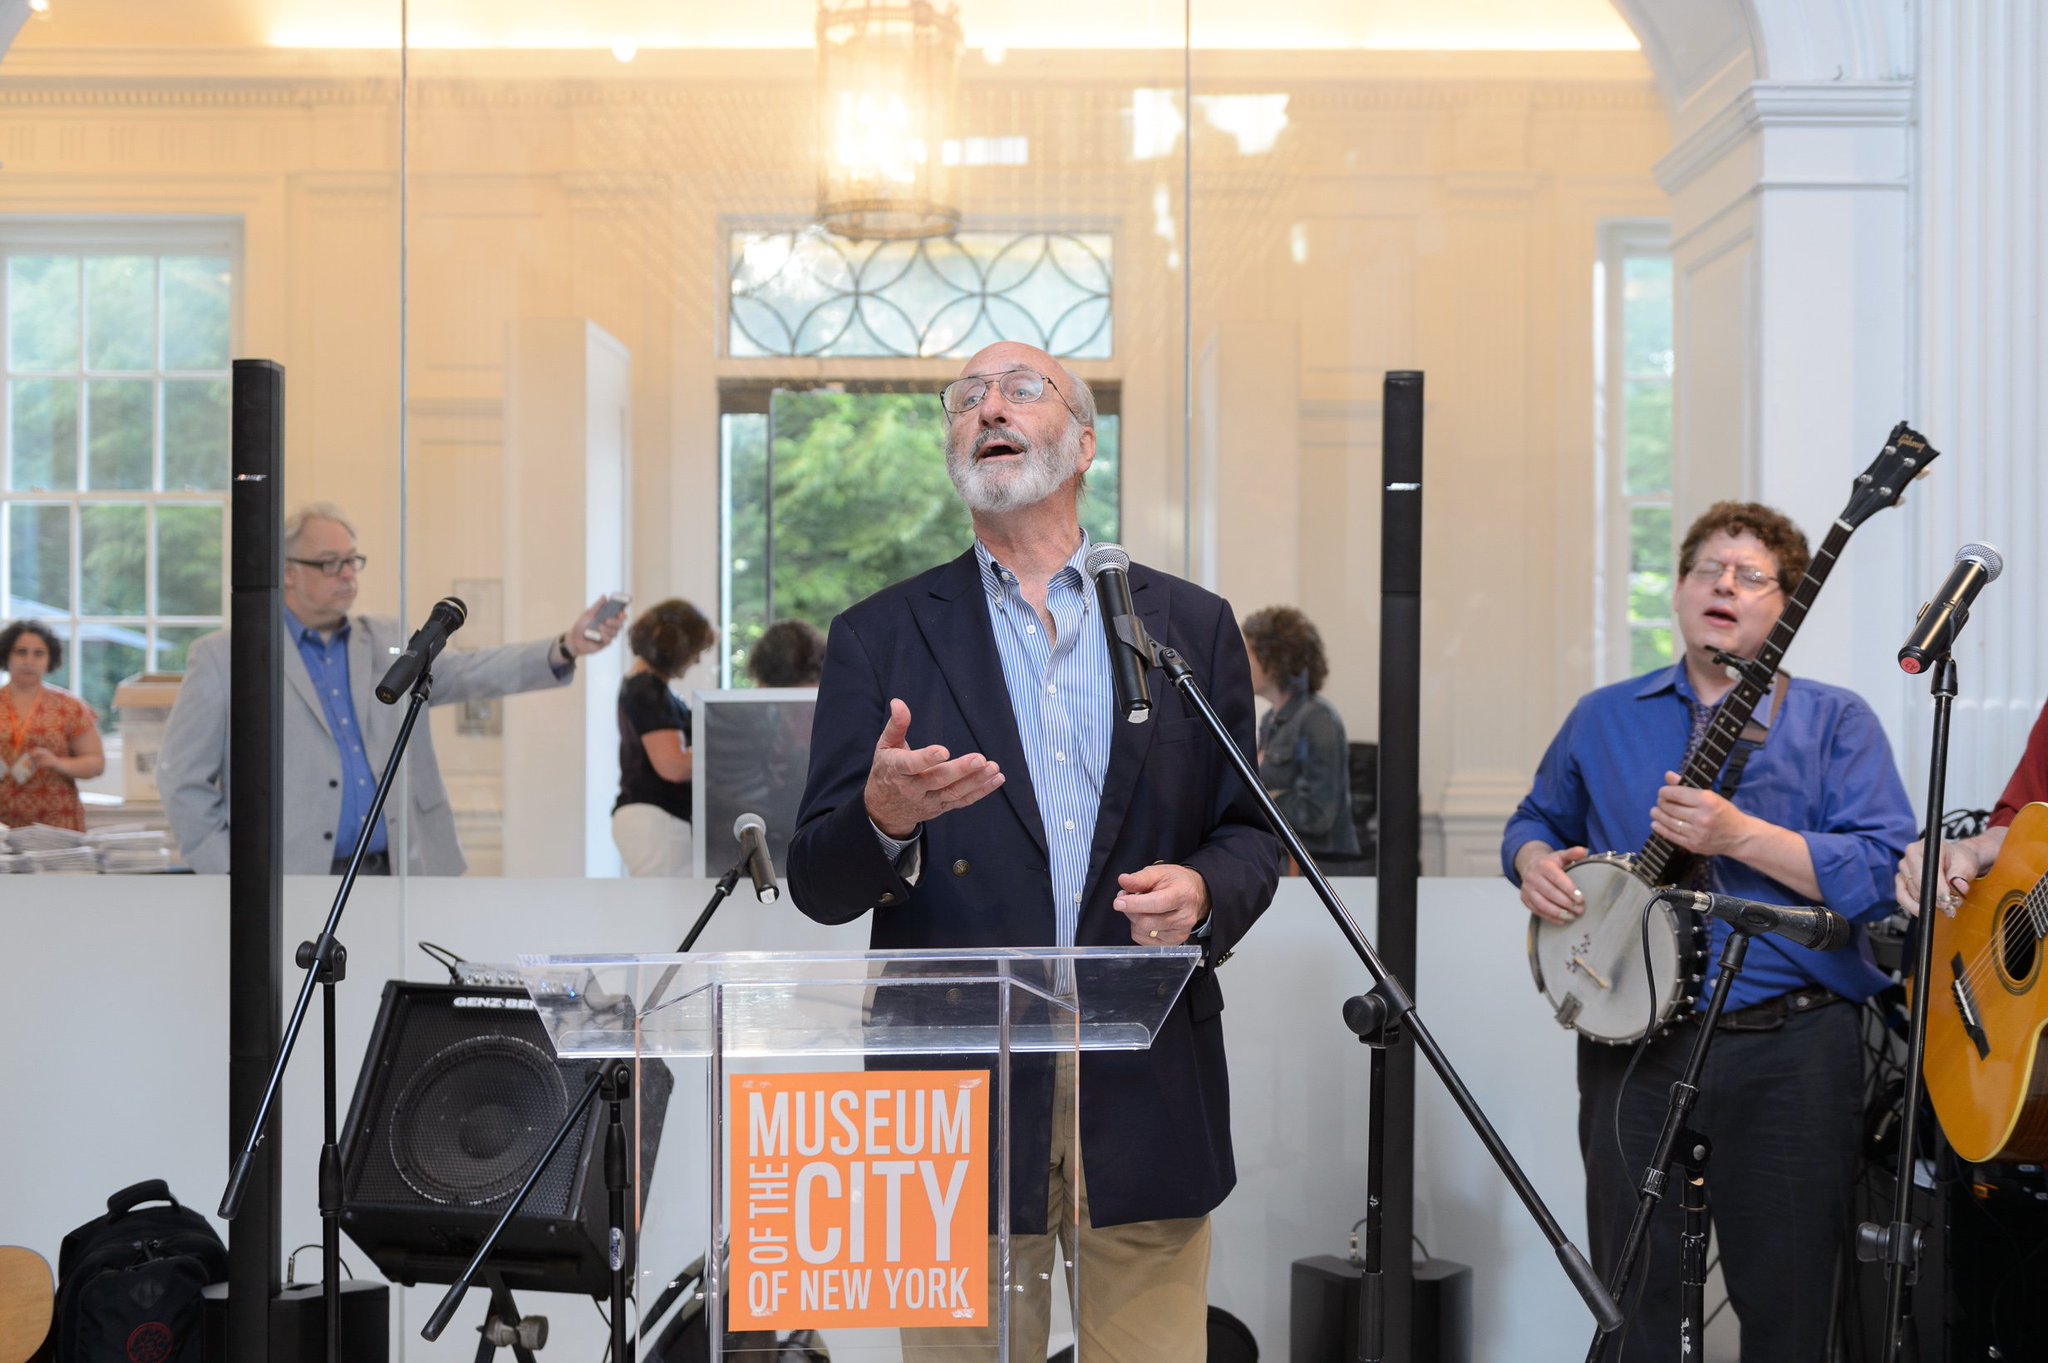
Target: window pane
(107, 654)
(45, 434)
(195, 312)
(120, 312)
(746, 516)
(188, 560)
(42, 312)
(39, 560)
(173, 642)
(1646, 314)
(196, 435)
(1647, 464)
(1649, 649)
(112, 559)
(1649, 564)
(1101, 502)
(861, 497)
(121, 424)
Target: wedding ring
(1155, 932)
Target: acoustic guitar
(26, 1295)
(1986, 1072)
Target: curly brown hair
(670, 635)
(788, 653)
(11, 636)
(1287, 646)
(1773, 529)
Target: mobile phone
(614, 605)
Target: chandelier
(888, 77)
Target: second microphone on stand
(752, 832)
(421, 650)
(1942, 618)
(1817, 928)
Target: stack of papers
(13, 865)
(63, 861)
(41, 837)
(129, 851)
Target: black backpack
(128, 1283)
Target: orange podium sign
(859, 1201)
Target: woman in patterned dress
(48, 740)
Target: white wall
(1298, 1076)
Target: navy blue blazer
(1155, 1125)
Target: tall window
(833, 490)
(113, 484)
(1634, 568)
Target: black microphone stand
(1897, 1245)
(1677, 1141)
(325, 961)
(612, 1082)
(1379, 1012)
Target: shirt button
(888, 898)
(1059, 757)
(1070, 825)
(1031, 629)
(1051, 690)
(332, 784)
(1077, 897)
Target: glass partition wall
(638, 302)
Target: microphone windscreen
(1993, 561)
(747, 821)
(457, 609)
(1106, 556)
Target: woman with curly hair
(651, 818)
(48, 739)
(1304, 759)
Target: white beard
(1036, 474)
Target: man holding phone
(336, 738)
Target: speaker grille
(470, 1124)
(478, 1097)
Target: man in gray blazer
(336, 736)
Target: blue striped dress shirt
(1064, 702)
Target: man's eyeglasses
(1019, 386)
(1746, 578)
(331, 567)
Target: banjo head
(1591, 969)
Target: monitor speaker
(459, 1096)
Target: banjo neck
(1662, 862)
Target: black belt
(1771, 1014)
(374, 864)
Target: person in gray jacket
(336, 736)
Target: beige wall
(1444, 210)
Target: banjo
(1592, 970)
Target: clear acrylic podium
(848, 1146)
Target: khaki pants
(1143, 1288)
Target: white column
(568, 417)
(1794, 318)
(1980, 215)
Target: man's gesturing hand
(1163, 902)
(906, 786)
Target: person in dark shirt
(788, 653)
(651, 818)
(1304, 758)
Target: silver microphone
(753, 835)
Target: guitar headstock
(1905, 456)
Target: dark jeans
(1783, 1109)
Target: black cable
(446, 959)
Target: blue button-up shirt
(1825, 772)
(1064, 700)
(327, 661)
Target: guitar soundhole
(2019, 949)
